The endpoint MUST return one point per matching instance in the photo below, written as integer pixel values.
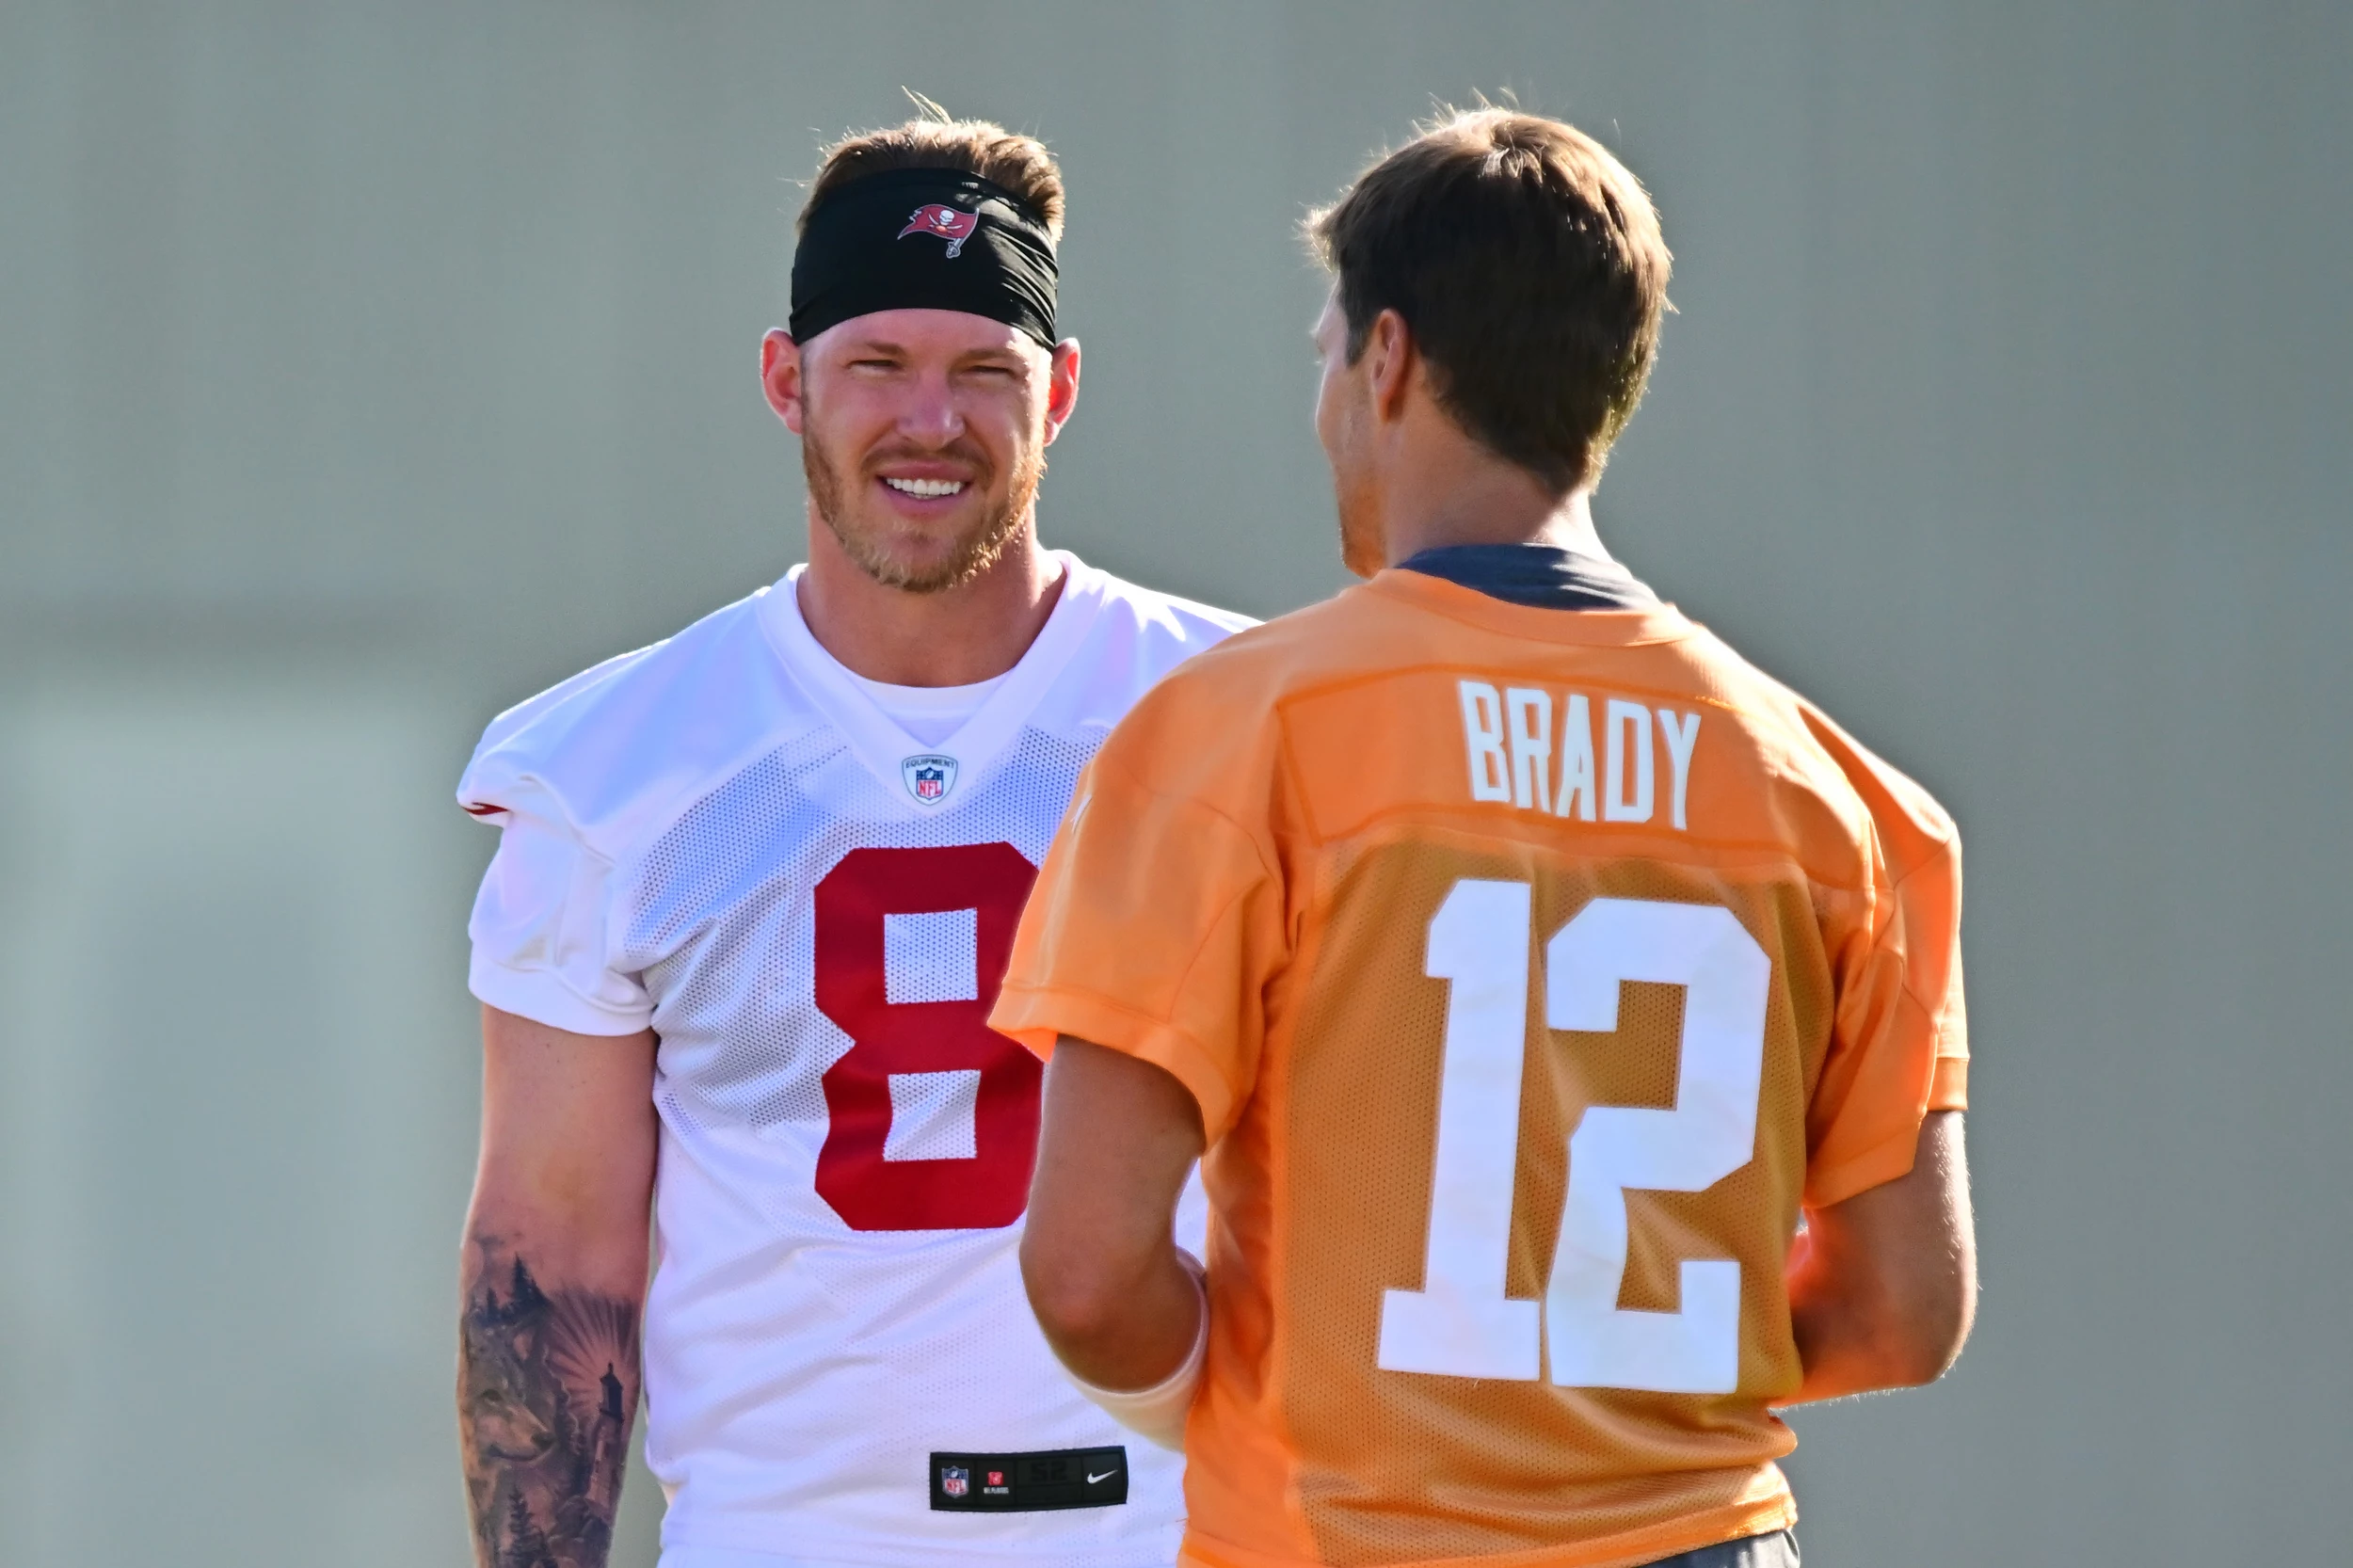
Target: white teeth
(927, 488)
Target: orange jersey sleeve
(1159, 911)
(1899, 1044)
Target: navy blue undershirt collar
(1542, 575)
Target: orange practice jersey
(1531, 969)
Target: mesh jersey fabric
(1530, 969)
(723, 838)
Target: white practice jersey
(723, 837)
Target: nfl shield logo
(953, 1481)
(928, 778)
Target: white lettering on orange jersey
(1508, 738)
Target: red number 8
(870, 1193)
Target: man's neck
(1469, 516)
(1445, 489)
(955, 637)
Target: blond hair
(935, 140)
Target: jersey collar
(1653, 623)
(958, 764)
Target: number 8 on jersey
(932, 1115)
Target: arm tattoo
(547, 1388)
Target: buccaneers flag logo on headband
(949, 224)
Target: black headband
(923, 239)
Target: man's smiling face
(923, 434)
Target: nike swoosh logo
(1093, 1478)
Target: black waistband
(1029, 1483)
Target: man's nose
(930, 414)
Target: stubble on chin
(974, 552)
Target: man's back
(1575, 955)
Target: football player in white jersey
(752, 900)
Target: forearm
(546, 1392)
(1838, 1329)
(1882, 1288)
(554, 1284)
(1112, 1295)
(1135, 1327)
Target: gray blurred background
(365, 369)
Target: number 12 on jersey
(1460, 1323)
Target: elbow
(1076, 1298)
(1888, 1333)
(1919, 1340)
(1918, 1360)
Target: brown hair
(1528, 263)
(933, 140)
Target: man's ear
(1062, 386)
(780, 376)
(1391, 361)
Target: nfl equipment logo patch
(928, 778)
(947, 222)
(1029, 1483)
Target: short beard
(973, 555)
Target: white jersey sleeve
(540, 929)
(724, 838)
(566, 795)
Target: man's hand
(1098, 1253)
(555, 1278)
(1884, 1287)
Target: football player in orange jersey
(1571, 1014)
